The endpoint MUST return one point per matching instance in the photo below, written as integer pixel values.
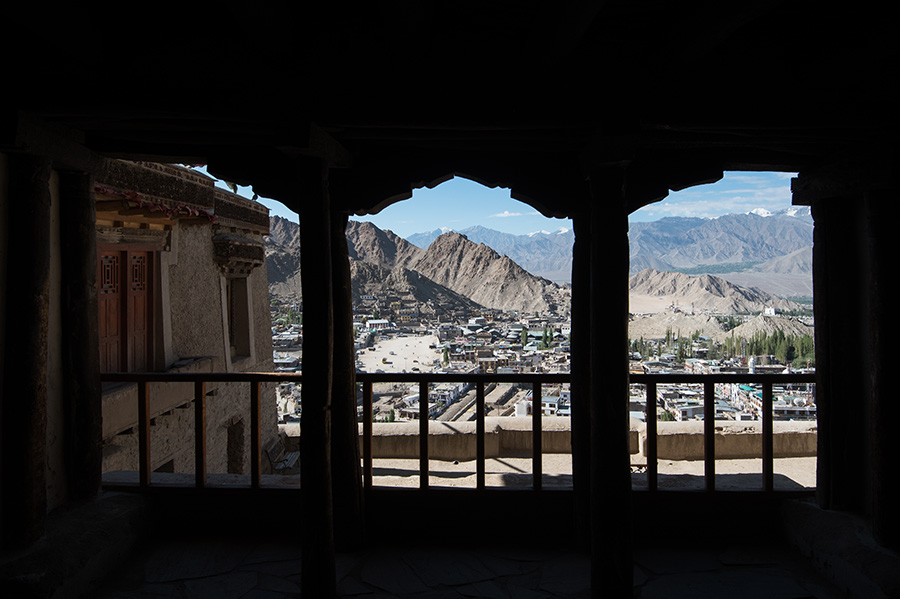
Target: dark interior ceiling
(534, 95)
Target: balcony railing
(709, 381)
(423, 380)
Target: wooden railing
(199, 380)
(255, 380)
(423, 380)
(709, 381)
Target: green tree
(546, 339)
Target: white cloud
(505, 214)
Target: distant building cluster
(497, 342)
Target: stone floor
(790, 474)
(224, 569)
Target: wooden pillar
(81, 367)
(881, 216)
(318, 575)
(611, 544)
(24, 415)
(345, 460)
(853, 209)
(581, 377)
(840, 394)
(824, 420)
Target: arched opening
(721, 282)
(461, 278)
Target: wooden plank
(423, 435)
(367, 434)
(768, 443)
(709, 435)
(527, 379)
(479, 436)
(200, 434)
(650, 443)
(537, 466)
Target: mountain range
(453, 272)
(769, 250)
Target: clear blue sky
(460, 203)
(734, 193)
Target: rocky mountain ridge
(542, 253)
(483, 275)
(705, 293)
(452, 272)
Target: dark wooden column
(81, 368)
(318, 577)
(345, 460)
(581, 376)
(611, 543)
(854, 208)
(841, 344)
(881, 213)
(24, 416)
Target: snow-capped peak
(761, 212)
(560, 231)
(797, 211)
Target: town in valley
(394, 336)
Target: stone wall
(172, 436)
(734, 440)
(191, 335)
(512, 436)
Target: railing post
(709, 434)
(650, 443)
(479, 436)
(537, 437)
(367, 434)
(255, 436)
(144, 433)
(423, 435)
(200, 433)
(768, 439)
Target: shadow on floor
(266, 569)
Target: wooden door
(125, 309)
(109, 283)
